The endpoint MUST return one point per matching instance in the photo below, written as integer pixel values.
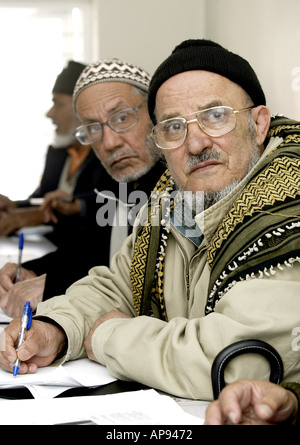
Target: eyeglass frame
(196, 120)
(102, 124)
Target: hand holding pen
(25, 325)
(21, 243)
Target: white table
(35, 245)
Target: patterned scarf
(261, 231)
(147, 267)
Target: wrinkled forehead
(107, 98)
(195, 90)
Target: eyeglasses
(214, 121)
(121, 121)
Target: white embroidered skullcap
(111, 70)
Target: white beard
(63, 140)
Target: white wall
(265, 32)
(146, 31)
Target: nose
(109, 143)
(196, 140)
(50, 113)
(111, 139)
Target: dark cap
(67, 79)
(206, 55)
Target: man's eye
(216, 115)
(120, 118)
(94, 129)
(173, 127)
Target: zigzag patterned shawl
(261, 231)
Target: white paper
(35, 245)
(36, 201)
(145, 407)
(4, 318)
(43, 391)
(83, 372)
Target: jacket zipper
(186, 260)
(187, 263)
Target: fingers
(8, 225)
(67, 208)
(233, 400)
(7, 276)
(213, 415)
(50, 197)
(49, 216)
(42, 344)
(61, 202)
(253, 402)
(277, 405)
(98, 322)
(9, 355)
(9, 338)
(229, 407)
(27, 274)
(13, 298)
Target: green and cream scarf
(261, 231)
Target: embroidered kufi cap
(201, 54)
(111, 70)
(66, 80)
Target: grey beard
(155, 156)
(200, 201)
(63, 140)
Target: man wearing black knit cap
(225, 267)
(211, 170)
(209, 56)
(70, 171)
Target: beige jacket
(176, 357)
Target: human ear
(262, 119)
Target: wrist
(62, 339)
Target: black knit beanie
(206, 55)
(66, 80)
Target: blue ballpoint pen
(21, 242)
(25, 325)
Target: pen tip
(15, 370)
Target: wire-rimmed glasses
(214, 121)
(121, 121)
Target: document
(35, 245)
(144, 407)
(5, 319)
(50, 381)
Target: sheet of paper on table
(4, 319)
(35, 245)
(50, 381)
(144, 407)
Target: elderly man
(132, 165)
(173, 299)
(70, 171)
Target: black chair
(243, 347)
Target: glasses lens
(170, 133)
(87, 134)
(123, 120)
(217, 121)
